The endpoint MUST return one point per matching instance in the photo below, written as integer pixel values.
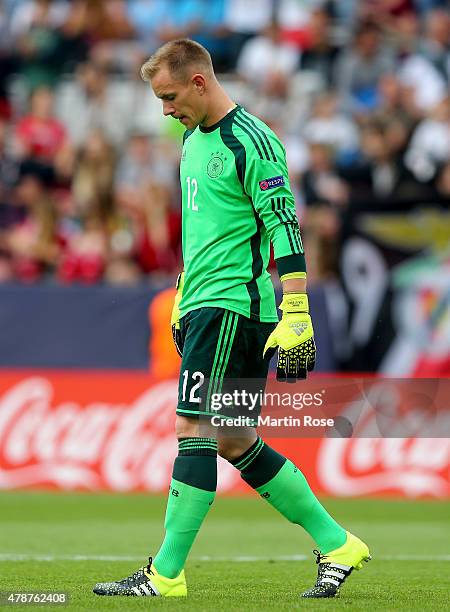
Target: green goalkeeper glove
(294, 335)
(175, 318)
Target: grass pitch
(245, 558)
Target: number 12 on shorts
(199, 379)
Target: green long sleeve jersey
(236, 198)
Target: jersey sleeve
(266, 182)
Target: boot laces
(319, 556)
(148, 567)
(131, 580)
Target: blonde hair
(178, 55)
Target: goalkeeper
(236, 199)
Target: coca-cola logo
(364, 464)
(94, 446)
(130, 445)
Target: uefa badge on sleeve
(271, 183)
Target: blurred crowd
(357, 90)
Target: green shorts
(218, 345)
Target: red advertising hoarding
(114, 431)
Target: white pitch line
(46, 557)
(7, 557)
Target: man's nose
(168, 108)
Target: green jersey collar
(227, 117)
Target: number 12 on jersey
(192, 189)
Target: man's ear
(199, 83)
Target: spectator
(9, 167)
(430, 143)
(325, 195)
(111, 34)
(425, 85)
(106, 20)
(427, 71)
(93, 177)
(321, 183)
(146, 229)
(244, 23)
(32, 242)
(395, 101)
(296, 157)
(319, 53)
(202, 20)
(381, 174)
(85, 251)
(404, 35)
(34, 28)
(28, 13)
(83, 227)
(267, 63)
(122, 271)
(295, 19)
(344, 14)
(384, 12)
(89, 103)
(329, 126)
(360, 67)
(39, 134)
(142, 163)
(146, 225)
(213, 33)
(435, 47)
(158, 245)
(135, 165)
(75, 37)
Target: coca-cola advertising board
(115, 431)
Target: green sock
(191, 495)
(283, 485)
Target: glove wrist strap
(180, 281)
(294, 302)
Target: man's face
(183, 101)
